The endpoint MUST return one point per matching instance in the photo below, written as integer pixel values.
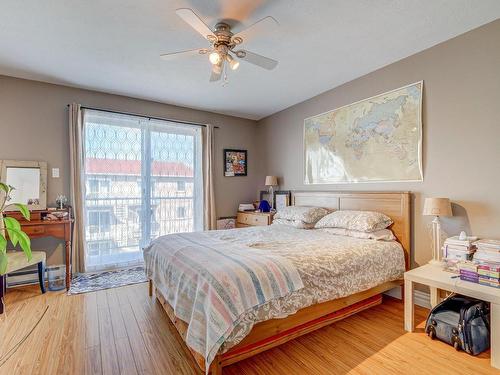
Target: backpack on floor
(461, 321)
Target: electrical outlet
(55, 172)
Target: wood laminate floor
(123, 331)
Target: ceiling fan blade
(216, 72)
(189, 52)
(266, 24)
(192, 19)
(256, 59)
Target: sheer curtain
(142, 178)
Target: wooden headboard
(396, 205)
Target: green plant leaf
(13, 227)
(24, 210)
(24, 241)
(3, 263)
(11, 223)
(4, 187)
(3, 244)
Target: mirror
(29, 179)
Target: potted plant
(11, 227)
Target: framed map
(374, 140)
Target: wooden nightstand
(249, 219)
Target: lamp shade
(271, 181)
(437, 207)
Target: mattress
(330, 267)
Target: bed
(340, 276)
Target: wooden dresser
(37, 227)
(249, 219)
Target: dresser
(38, 227)
(252, 219)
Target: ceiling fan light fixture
(214, 57)
(217, 68)
(233, 64)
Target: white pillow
(293, 223)
(362, 221)
(379, 235)
(307, 214)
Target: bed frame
(268, 334)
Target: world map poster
(374, 140)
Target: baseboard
(420, 298)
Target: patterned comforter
(211, 283)
(330, 267)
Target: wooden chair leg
(150, 287)
(41, 276)
(2, 288)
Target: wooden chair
(16, 261)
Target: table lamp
(436, 207)
(271, 181)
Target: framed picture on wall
(282, 199)
(235, 162)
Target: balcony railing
(115, 235)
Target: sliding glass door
(142, 180)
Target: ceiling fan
(223, 51)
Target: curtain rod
(149, 117)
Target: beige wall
(33, 126)
(461, 120)
(461, 115)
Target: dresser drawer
(252, 219)
(33, 230)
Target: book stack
(456, 249)
(489, 274)
(487, 258)
(487, 251)
(469, 272)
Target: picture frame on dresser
(282, 199)
(265, 195)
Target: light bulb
(217, 68)
(233, 64)
(214, 57)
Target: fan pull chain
(225, 81)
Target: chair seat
(17, 260)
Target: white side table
(435, 278)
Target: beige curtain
(210, 218)
(76, 140)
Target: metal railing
(117, 232)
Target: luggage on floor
(461, 321)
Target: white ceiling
(114, 45)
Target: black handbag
(461, 321)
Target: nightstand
(249, 219)
(437, 279)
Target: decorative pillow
(294, 223)
(379, 235)
(307, 214)
(362, 221)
